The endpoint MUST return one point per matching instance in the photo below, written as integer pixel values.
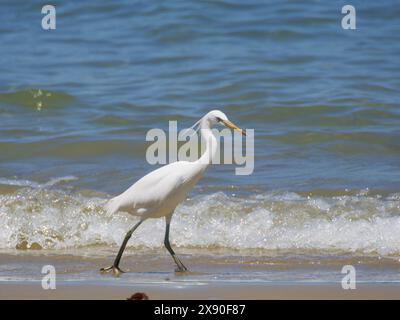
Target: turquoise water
(76, 104)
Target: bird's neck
(211, 144)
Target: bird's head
(218, 117)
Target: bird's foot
(181, 268)
(115, 270)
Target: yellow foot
(115, 270)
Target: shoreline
(211, 277)
(82, 290)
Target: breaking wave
(40, 217)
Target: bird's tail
(111, 206)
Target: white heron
(158, 193)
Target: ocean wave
(33, 184)
(42, 218)
(36, 98)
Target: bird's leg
(115, 267)
(181, 267)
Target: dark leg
(178, 262)
(115, 267)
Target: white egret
(158, 193)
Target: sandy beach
(204, 291)
(210, 278)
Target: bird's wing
(154, 188)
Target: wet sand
(211, 277)
(77, 290)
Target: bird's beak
(233, 126)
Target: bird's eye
(219, 119)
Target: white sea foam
(51, 219)
(33, 184)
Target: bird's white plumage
(159, 192)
